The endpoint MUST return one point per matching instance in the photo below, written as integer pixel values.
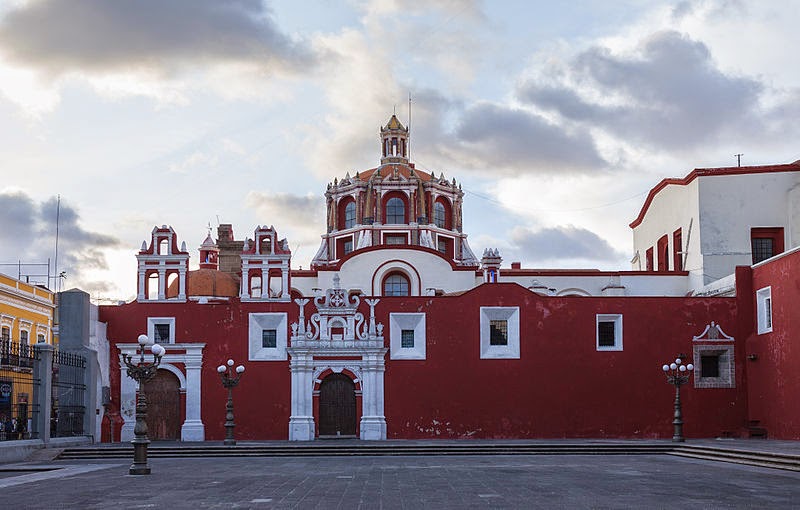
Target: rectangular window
(269, 338)
(348, 246)
(6, 335)
(442, 246)
(407, 339)
(709, 365)
(161, 333)
(608, 332)
(498, 332)
(714, 366)
(395, 239)
(605, 334)
(765, 243)
(764, 310)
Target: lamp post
(141, 372)
(678, 374)
(230, 378)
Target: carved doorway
(337, 407)
(163, 406)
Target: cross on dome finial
(336, 281)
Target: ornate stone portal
(337, 339)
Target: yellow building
(26, 317)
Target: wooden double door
(337, 407)
(163, 406)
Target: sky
(556, 118)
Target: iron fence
(18, 388)
(69, 395)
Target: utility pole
(738, 159)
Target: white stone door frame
(307, 364)
(190, 384)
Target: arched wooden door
(337, 406)
(163, 406)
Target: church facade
(398, 330)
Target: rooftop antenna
(738, 159)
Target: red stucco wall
(561, 387)
(774, 377)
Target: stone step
(747, 457)
(365, 450)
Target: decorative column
(285, 279)
(193, 428)
(162, 283)
(301, 422)
(373, 421)
(127, 404)
(244, 287)
(264, 282)
(141, 294)
(182, 284)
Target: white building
(715, 219)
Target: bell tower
(394, 142)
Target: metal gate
(17, 389)
(69, 395)
(337, 406)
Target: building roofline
(706, 172)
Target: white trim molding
(151, 328)
(764, 310)
(260, 322)
(407, 321)
(510, 314)
(616, 319)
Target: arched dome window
(395, 211)
(350, 215)
(439, 218)
(396, 284)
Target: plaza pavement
(406, 482)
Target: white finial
(336, 281)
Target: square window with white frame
(764, 310)
(407, 336)
(267, 337)
(499, 332)
(161, 330)
(608, 332)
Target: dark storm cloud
(670, 95)
(524, 142)
(29, 231)
(157, 35)
(563, 242)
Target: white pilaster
(264, 283)
(182, 284)
(141, 295)
(301, 422)
(193, 428)
(127, 404)
(162, 283)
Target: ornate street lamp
(230, 378)
(141, 372)
(678, 374)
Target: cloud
(668, 93)
(298, 218)
(29, 234)
(520, 141)
(566, 242)
(97, 36)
